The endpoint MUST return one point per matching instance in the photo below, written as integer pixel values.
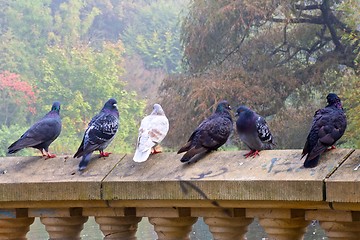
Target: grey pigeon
(211, 134)
(253, 131)
(99, 134)
(41, 134)
(152, 131)
(328, 126)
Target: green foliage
(349, 82)
(83, 79)
(47, 43)
(23, 35)
(351, 8)
(8, 135)
(152, 32)
(72, 21)
(350, 89)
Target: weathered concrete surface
(275, 175)
(344, 184)
(37, 179)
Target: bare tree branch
(308, 7)
(328, 21)
(314, 20)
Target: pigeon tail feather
(185, 148)
(141, 156)
(13, 150)
(192, 152)
(21, 144)
(311, 163)
(84, 161)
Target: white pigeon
(152, 131)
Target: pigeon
(99, 134)
(41, 134)
(328, 126)
(152, 131)
(211, 134)
(253, 131)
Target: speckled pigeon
(41, 134)
(328, 126)
(99, 134)
(152, 131)
(211, 134)
(253, 131)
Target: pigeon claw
(104, 154)
(42, 153)
(331, 148)
(252, 153)
(49, 155)
(156, 149)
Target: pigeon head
(223, 106)
(241, 109)
(157, 110)
(334, 100)
(56, 106)
(111, 104)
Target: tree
(24, 30)
(48, 44)
(308, 28)
(271, 55)
(8, 135)
(351, 79)
(157, 41)
(17, 99)
(83, 79)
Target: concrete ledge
(276, 175)
(343, 185)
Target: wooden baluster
(15, 228)
(173, 228)
(120, 228)
(338, 225)
(64, 228)
(341, 230)
(281, 224)
(224, 224)
(228, 228)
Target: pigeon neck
(109, 111)
(337, 105)
(225, 113)
(54, 112)
(159, 113)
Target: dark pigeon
(41, 134)
(328, 126)
(253, 131)
(212, 133)
(99, 134)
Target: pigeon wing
(331, 127)
(313, 137)
(263, 130)
(47, 129)
(80, 150)
(99, 133)
(153, 130)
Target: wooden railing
(224, 188)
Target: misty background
(280, 58)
